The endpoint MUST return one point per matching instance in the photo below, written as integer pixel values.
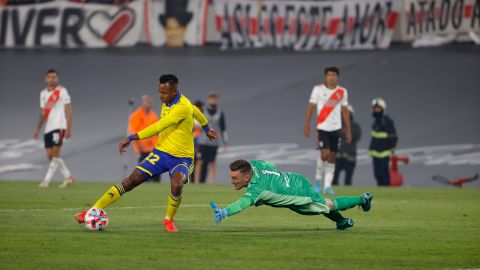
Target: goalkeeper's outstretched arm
(233, 209)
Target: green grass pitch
(406, 229)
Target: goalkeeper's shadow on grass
(246, 229)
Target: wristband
(206, 128)
(131, 137)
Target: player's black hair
(332, 69)
(52, 71)
(169, 78)
(240, 165)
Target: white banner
(176, 23)
(70, 25)
(438, 17)
(307, 25)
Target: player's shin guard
(63, 168)
(329, 172)
(109, 197)
(52, 168)
(173, 205)
(344, 203)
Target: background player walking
(332, 104)
(266, 185)
(173, 151)
(56, 113)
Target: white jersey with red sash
(329, 103)
(53, 104)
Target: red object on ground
(396, 178)
(80, 217)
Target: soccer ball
(96, 219)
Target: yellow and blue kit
(174, 150)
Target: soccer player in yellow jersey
(173, 152)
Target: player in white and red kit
(56, 113)
(331, 101)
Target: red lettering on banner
(279, 23)
(253, 26)
(468, 11)
(332, 28)
(392, 20)
(218, 23)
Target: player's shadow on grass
(255, 230)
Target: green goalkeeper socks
(344, 203)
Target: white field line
(119, 207)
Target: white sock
(329, 171)
(52, 168)
(319, 171)
(63, 168)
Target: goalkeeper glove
(218, 213)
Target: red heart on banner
(111, 28)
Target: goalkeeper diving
(266, 185)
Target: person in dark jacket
(347, 155)
(383, 143)
(207, 150)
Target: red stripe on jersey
(334, 99)
(51, 102)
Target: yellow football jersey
(175, 127)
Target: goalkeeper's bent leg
(344, 203)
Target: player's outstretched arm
(234, 208)
(126, 142)
(218, 213)
(203, 121)
(177, 114)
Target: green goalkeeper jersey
(270, 186)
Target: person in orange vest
(143, 117)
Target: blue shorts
(158, 162)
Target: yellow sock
(110, 196)
(173, 205)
